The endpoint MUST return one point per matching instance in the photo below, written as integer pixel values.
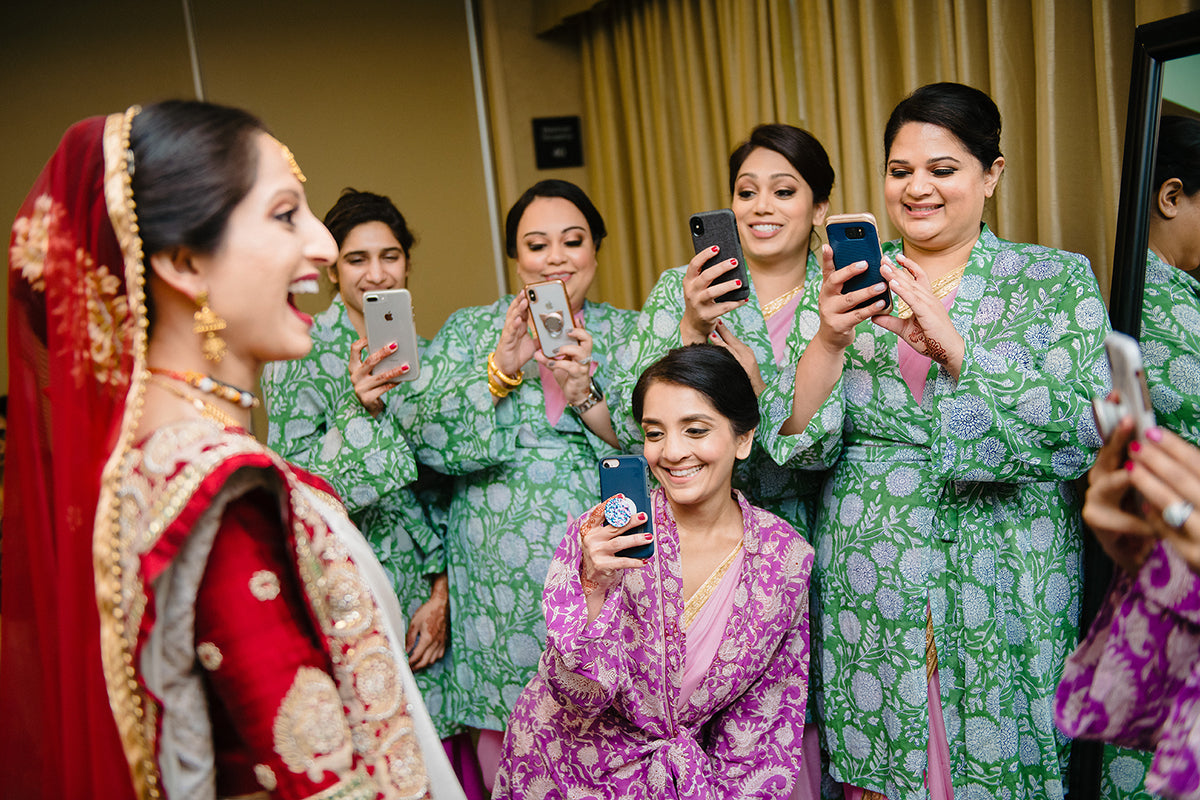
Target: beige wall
(375, 94)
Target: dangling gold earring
(207, 325)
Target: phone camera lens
(533, 295)
(697, 226)
(855, 233)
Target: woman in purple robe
(684, 675)
(1135, 679)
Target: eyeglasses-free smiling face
(555, 242)
(371, 260)
(774, 209)
(690, 446)
(935, 188)
(273, 248)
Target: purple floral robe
(1135, 680)
(603, 717)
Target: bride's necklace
(208, 385)
(941, 287)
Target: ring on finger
(1177, 513)
(585, 360)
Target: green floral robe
(518, 480)
(965, 503)
(1170, 342)
(787, 494)
(317, 422)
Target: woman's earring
(207, 325)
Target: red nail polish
(1135, 446)
(737, 283)
(642, 517)
(1129, 466)
(649, 536)
(404, 368)
(1154, 434)
(733, 262)
(714, 249)
(392, 346)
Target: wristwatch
(594, 396)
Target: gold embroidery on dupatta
(31, 242)
(696, 602)
(264, 585)
(265, 777)
(209, 656)
(310, 731)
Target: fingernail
(1136, 446)
(649, 536)
(641, 516)
(714, 249)
(713, 336)
(1129, 466)
(404, 368)
(879, 304)
(392, 346)
(733, 263)
(885, 270)
(1154, 434)
(737, 283)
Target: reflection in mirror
(1155, 250)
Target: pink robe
(604, 716)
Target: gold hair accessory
(941, 287)
(207, 325)
(291, 159)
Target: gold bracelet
(508, 380)
(498, 391)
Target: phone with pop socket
(628, 475)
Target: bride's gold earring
(208, 324)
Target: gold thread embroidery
(265, 777)
(941, 287)
(349, 601)
(696, 602)
(264, 585)
(931, 654)
(210, 656)
(772, 308)
(310, 730)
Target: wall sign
(558, 142)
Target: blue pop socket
(618, 511)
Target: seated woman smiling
(684, 675)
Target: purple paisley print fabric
(603, 717)
(1135, 679)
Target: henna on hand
(933, 348)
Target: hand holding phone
(720, 228)
(550, 313)
(389, 317)
(854, 238)
(1132, 395)
(628, 476)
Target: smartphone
(629, 475)
(550, 310)
(389, 318)
(1129, 383)
(720, 228)
(855, 237)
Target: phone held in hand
(389, 317)
(550, 310)
(853, 238)
(720, 228)
(1129, 386)
(629, 475)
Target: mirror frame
(1153, 44)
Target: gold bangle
(508, 380)
(499, 392)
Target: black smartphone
(389, 317)
(629, 475)
(720, 228)
(855, 237)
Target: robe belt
(680, 755)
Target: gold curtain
(671, 86)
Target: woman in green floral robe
(1170, 340)
(948, 540)
(522, 439)
(320, 420)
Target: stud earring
(208, 324)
